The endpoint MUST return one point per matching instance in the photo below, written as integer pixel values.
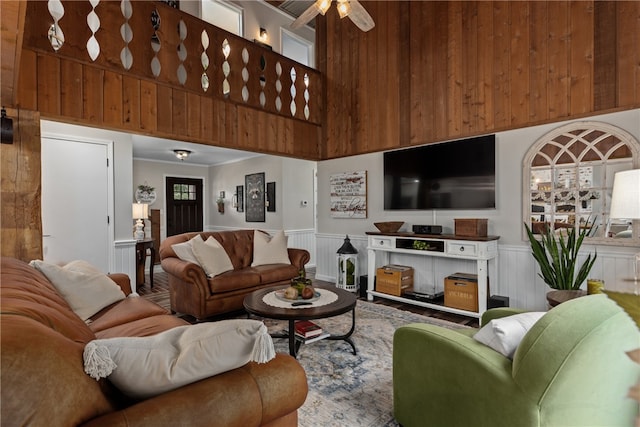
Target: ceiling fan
(351, 8)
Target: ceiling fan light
(344, 8)
(323, 6)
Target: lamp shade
(140, 211)
(625, 200)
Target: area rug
(348, 390)
(344, 390)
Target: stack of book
(308, 331)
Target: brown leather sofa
(43, 379)
(191, 292)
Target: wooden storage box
(394, 279)
(461, 291)
(471, 227)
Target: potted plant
(557, 257)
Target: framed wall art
(254, 202)
(240, 198)
(348, 195)
(271, 196)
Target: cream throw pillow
(270, 250)
(504, 335)
(211, 256)
(143, 367)
(184, 250)
(83, 286)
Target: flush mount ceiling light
(182, 154)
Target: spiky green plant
(558, 257)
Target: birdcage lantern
(347, 267)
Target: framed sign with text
(348, 195)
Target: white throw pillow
(83, 286)
(270, 250)
(504, 334)
(184, 250)
(142, 367)
(211, 256)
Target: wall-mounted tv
(451, 175)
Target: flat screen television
(451, 175)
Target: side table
(141, 256)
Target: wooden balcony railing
(150, 40)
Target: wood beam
(12, 16)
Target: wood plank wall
(20, 218)
(438, 70)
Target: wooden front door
(184, 205)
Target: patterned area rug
(348, 390)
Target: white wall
(517, 277)
(227, 177)
(294, 182)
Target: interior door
(184, 205)
(75, 201)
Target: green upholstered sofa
(570, 369)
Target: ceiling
(295, 8)
(158, 149)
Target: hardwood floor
(160, 295)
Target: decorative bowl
(389, 226)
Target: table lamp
(625, 203)
(140, 211)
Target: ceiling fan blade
(306, 16)
(360, 16)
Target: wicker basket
(389, 226)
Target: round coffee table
(346, 301)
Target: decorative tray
(280, 295)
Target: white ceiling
(158, 149)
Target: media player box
(497, 301)
(427, 229)
(364, 281)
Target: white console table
(479, 249)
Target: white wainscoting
(302, 239)
(517, 276)
(125, 259)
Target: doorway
(77, 189)
(184, 205)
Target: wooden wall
(21, 221)
(438, 70)
(67, 85)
